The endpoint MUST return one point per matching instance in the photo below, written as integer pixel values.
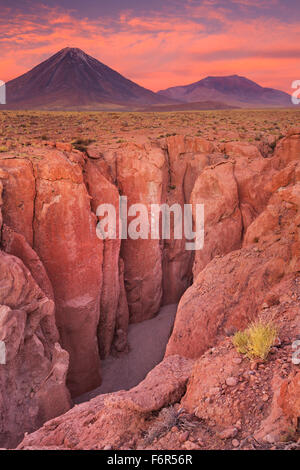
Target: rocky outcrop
(65, 235)
(18, 195)
(232, 394)
(252, 178)
(111, 305)
(109, 420)
(216, 188)
(186, 158)
(289, 399)
(230, 290)
(33, 366)
(141, 177)
(288, 148)
(241, 149)
(249, 264)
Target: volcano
(232, 90)
(72, 79)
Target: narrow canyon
(90, 358)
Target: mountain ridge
(74, 80)
(233, 90)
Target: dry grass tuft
(256, 341)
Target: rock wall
(87, 290)
(33, 366)
(50, 200)
(229, 291)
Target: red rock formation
(228, 293)
(103, 192)
(141, 175)
(15, 244)
(52, 208)
(216, 188)
(252, 177)
(114, 418)
(249, 201)
(18, 195)
(289, 399)
(288, 149)
(186, 159)
(241, 149)
(120, 339)
(65, 236)
(204, 392)
(33, 368)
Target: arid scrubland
(29, 128)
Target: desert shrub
(166, 419)
(3, 148)
(82, 144)
(257, 340)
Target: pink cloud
(158, 51)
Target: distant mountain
(233, 90)
(72, 79)
(194, 106)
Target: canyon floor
(86, 359)
(147, 343)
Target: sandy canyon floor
(146, 348)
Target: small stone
(277, 342)
(228, 433)
(235, 443)
(237, 360)
(184, 436)
(238, 424)
(174, 429)
(107, 447)
(231, 381)
(265, 398)
(269, 438)
(190, 445)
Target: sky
(158, 43)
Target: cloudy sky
(158, 43)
